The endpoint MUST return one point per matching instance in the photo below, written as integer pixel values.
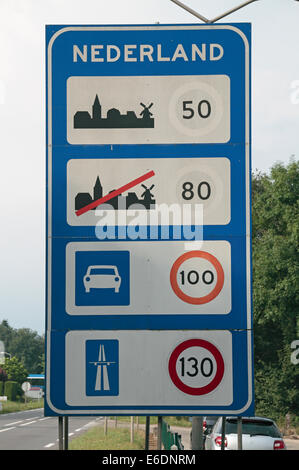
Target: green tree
(15, 370)
(6, 333)
(275, 226)
(28, 347)
(24, 344)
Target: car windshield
(211, 419)
(102, 271)
(252, 427)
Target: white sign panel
(149, 109)
(202, 184)
(103, 279)
(105, 368)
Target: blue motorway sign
(102, 371)
(148, 220)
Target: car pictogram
(102, 277)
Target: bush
(10, 390)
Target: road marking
(7, 429)
(50, 445)
(22, 420)
(26, 424)
(28, 411)
(20, 412)
(15, 422)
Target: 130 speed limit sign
(196, 367)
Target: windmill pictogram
(146, 113)
(147, 196)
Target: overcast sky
(275, 115)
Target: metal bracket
(206, 20)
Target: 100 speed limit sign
(196, 367)
(197, 277)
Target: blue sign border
(59, 233)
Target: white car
(102, 277)
(257, 434)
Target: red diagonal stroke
(115, 193)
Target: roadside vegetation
(115, 439)
(275, 265)
(182, 421)
(118, 433)
(13, 406)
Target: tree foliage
(275, 237)
(26, 345)
(15, 370)
(16, 374)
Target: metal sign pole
(159, 444)
(66, 433)
(60, 432)
(206, 20)
(197, 433)
(232, 10)
(239, 429)
(223, 433)
(193, 12)
(132, 429)
(147, 432)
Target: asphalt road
(30, 430)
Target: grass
(182, 421)
(119, 438)
(13, 406)
(115, 439)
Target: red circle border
(197, 300)
(196, 390)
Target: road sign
(148, 220)
(98, 363)
(26, 386)
(194, 283)
(205, 364)
(194, 181)
(104, 97)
